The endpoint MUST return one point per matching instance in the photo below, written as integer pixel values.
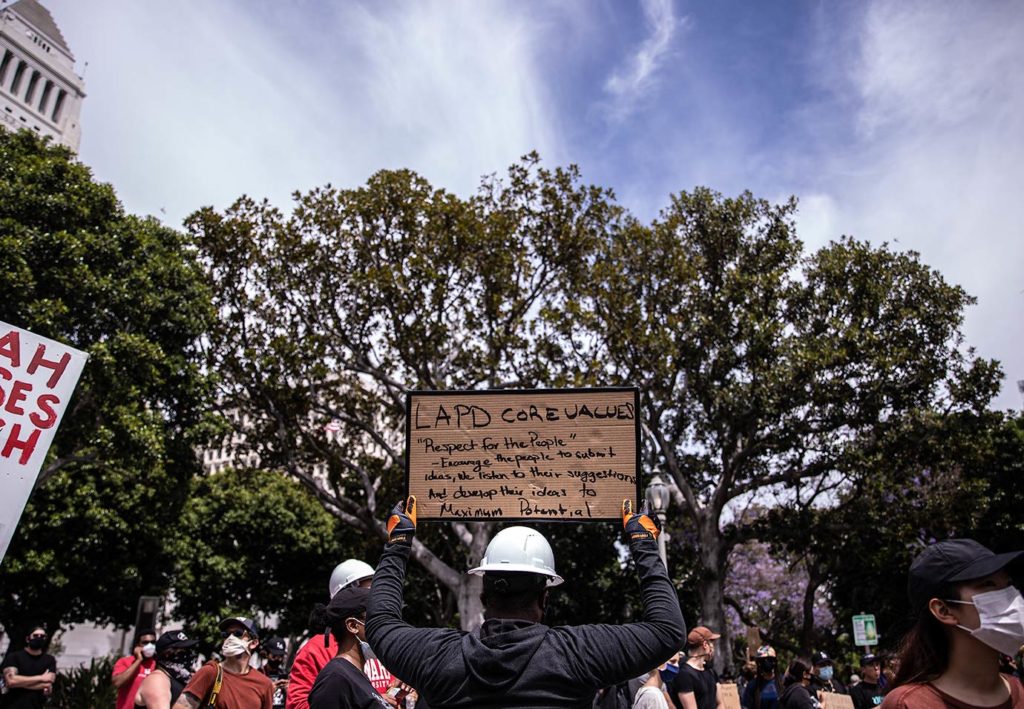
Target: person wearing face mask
(763, 692)
(824, 675)
(342, 684)
(273, 652)
(230, 683)
(968, 613)
(131, 670)
(696, 685)
(175, 654)
(314, 655)
(796, 693)
(29, 673)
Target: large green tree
(255, 543)
(768, 374)
(332, 313)
(129, 292)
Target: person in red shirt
(968, 613)
(130, 670)
(321, 649)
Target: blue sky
(899, 121)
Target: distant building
(39, 89)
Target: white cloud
(630, 82)
(194, 102)
(936, 159)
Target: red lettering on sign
(10, 347)
(49, 416)
(57, 366)
(26, 446)
(17, 395)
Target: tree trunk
(712, 595)
(471, 608)
(467, 596)
(814, 579)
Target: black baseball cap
(950, 561)
(274, 646)
(244, 622)
(349, 602)
(870, 659)
(820, 658)
(173, 639)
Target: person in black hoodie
(514, 660)
(796, 694)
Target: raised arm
(400, 646)
(614, 653)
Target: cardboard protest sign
(37, 377)
(541, 454)
(831, 700)
(730, 695)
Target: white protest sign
(37, 377)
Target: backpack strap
(211, 700)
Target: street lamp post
(657, 495)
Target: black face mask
(178, 666)
(37, 643)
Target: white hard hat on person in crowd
(519, 549)
(347, 573)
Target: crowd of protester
(963, 653)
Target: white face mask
(233, 646)
(1001, 616)
(148, 650)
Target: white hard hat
(519, 549)
(347, 573)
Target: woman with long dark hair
(968, 614)
(797, 694)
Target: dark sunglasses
(238, 633)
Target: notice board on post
(537, 454)
(37, 378)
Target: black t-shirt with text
(703, 684)
(27, 666)
(866, 695)
(340, 685)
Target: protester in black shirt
(868, 694)
(824, 675)
(696, 685)
(29, 673)
(514, 660)
(341, 684)
(796, 694)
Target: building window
(18, 73)
(58, 105)
(6, 62)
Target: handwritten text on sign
(37, 377)
(548, 454)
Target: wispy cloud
(933, 156)
(630, 82)
(198, 102)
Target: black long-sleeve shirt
(516, 663)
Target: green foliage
(255, 542)
(128, 291)
(766, 372)
(335, 312)
(85, 686)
